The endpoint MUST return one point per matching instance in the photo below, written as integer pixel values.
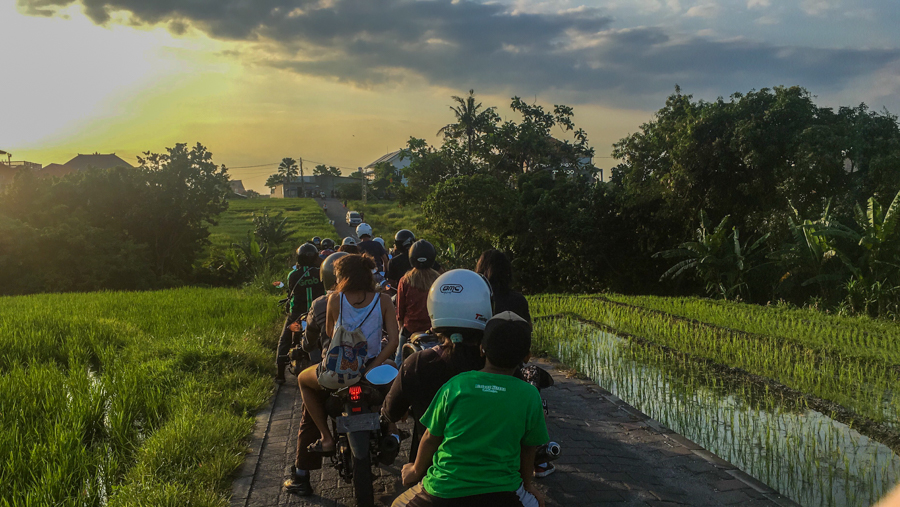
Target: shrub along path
(612, 455)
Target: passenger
(304, 287)
(327, 248)
(495, 266)
(367, 246)
(412, 293)
(483, 428)
(315, 339)
(399, 265)
(458, 316)
(317, 241)
(349, 246)
(353, 305)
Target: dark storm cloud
(487, 46)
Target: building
(96, 161)
(237, 186)
(312, 185)
(394, 158)
(9, 169)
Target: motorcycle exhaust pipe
(549, 452)
(388, 449)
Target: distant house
(96, 161)
(9, 169)
(54, 170)
(395, 159)
(237, 186)
(311, 185)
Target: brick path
(612, 454)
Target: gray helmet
(326, 270)
(307, 251)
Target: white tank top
(367, 319)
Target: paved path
(612, 455)
(338, 213)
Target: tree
(185, 193)
(323, 170)
(274, 180)
(288, 169)
(471, 121)
(473, 212)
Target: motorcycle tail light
(355, 392)
(356, 409)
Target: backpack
(342, 365)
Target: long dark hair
(354, 273)
(495, 266)
(465, 355)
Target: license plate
(361, 422)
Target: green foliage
(103, 396)
(271, 231)
(477, 208)
(111, 229)
(323, 170)
(717, 258)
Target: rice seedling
(802, 453)
(129, 398)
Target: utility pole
(363, 185)
(302, 193)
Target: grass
(388, 217)
(130, 398)
(305, 219)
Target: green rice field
(305, 219)
(116, 398)
(800, 400)
(388, 217)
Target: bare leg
(309, 385)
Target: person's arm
(526, 470)
(389, 317)
(334, 308)
(401, 301)
(397, 402)
(312, 334)
(412, 473)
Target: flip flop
(316, 448)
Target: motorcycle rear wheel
(362, 481)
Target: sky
(343, 82)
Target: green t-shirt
(485, 419)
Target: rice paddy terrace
(803, 401)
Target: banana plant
(717, 258)
(809, 257)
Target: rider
(399, 259)
(459, 304)
(304, 286)
(326, 249)
(317, 241)
(412, 293)
(354, 305)
(373, 248)
(495, 266)
(314, 340)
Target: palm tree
(471, 120)
(288, 169)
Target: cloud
(754, 4)
(464, 44)
(705, 10)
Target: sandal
(316, 448)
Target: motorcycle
(417, 342)
(362, 434)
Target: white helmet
(460, 298)
(363, 229)
(349, 241)
(379, 240)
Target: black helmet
(404, 238)
(327, 244)
(422, 254)
(316, 241)
(326, 270)
(307, 251)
